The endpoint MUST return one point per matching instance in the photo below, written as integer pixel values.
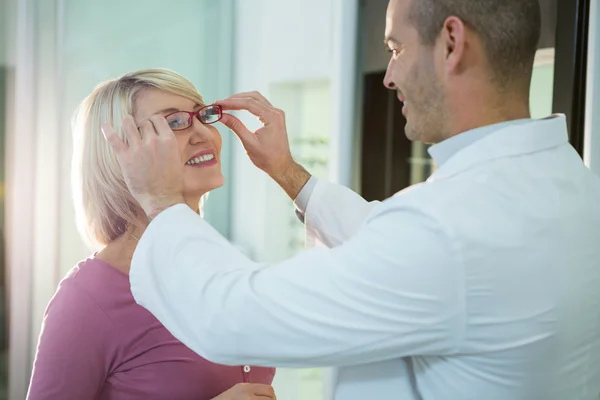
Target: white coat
(481, 283)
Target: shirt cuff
(301, 201)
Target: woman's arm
(72, 358)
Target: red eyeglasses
(180, 120)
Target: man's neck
(474, 120)
(475, 104)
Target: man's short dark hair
(509, 30)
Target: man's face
(411, 72)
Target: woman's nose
(200, 132)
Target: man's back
(527, 222)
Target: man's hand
(150, 161)
(268, 147)
(248, 391)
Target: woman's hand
(248, 391)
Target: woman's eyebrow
(173, 109)
(167, 110)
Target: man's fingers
(131, 132)
(264, 112)
(238, 128)
(161, 126)
(146, 130)
(113, 138)
(254, 95)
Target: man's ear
(453, 37)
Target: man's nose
(388, 82)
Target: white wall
(274, 48)
(20, 157)
(298, 54)
(3, 32)
(592, 123)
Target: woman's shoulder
(107, 290)
(78, 342)
(74, 287)
(97, 278)
(73, 306)
(91, 286)
(94, 268)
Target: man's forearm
(292, 179)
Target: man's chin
(410, 133)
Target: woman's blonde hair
(104, 207)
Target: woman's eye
(176, 123)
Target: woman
(96, 342)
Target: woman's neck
(119, 252)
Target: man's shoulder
(432, 195)
(477, 193)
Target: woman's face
(202, 174)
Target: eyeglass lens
(207, 115)
(210, 114)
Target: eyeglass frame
(196, 114)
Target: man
(482, 283)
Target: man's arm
(332, 213)
(384, 294)
(292, 178)
(335, 213)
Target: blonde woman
(96, 342)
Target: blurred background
(322, 61)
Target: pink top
(98, 343)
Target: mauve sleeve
(73, 353)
